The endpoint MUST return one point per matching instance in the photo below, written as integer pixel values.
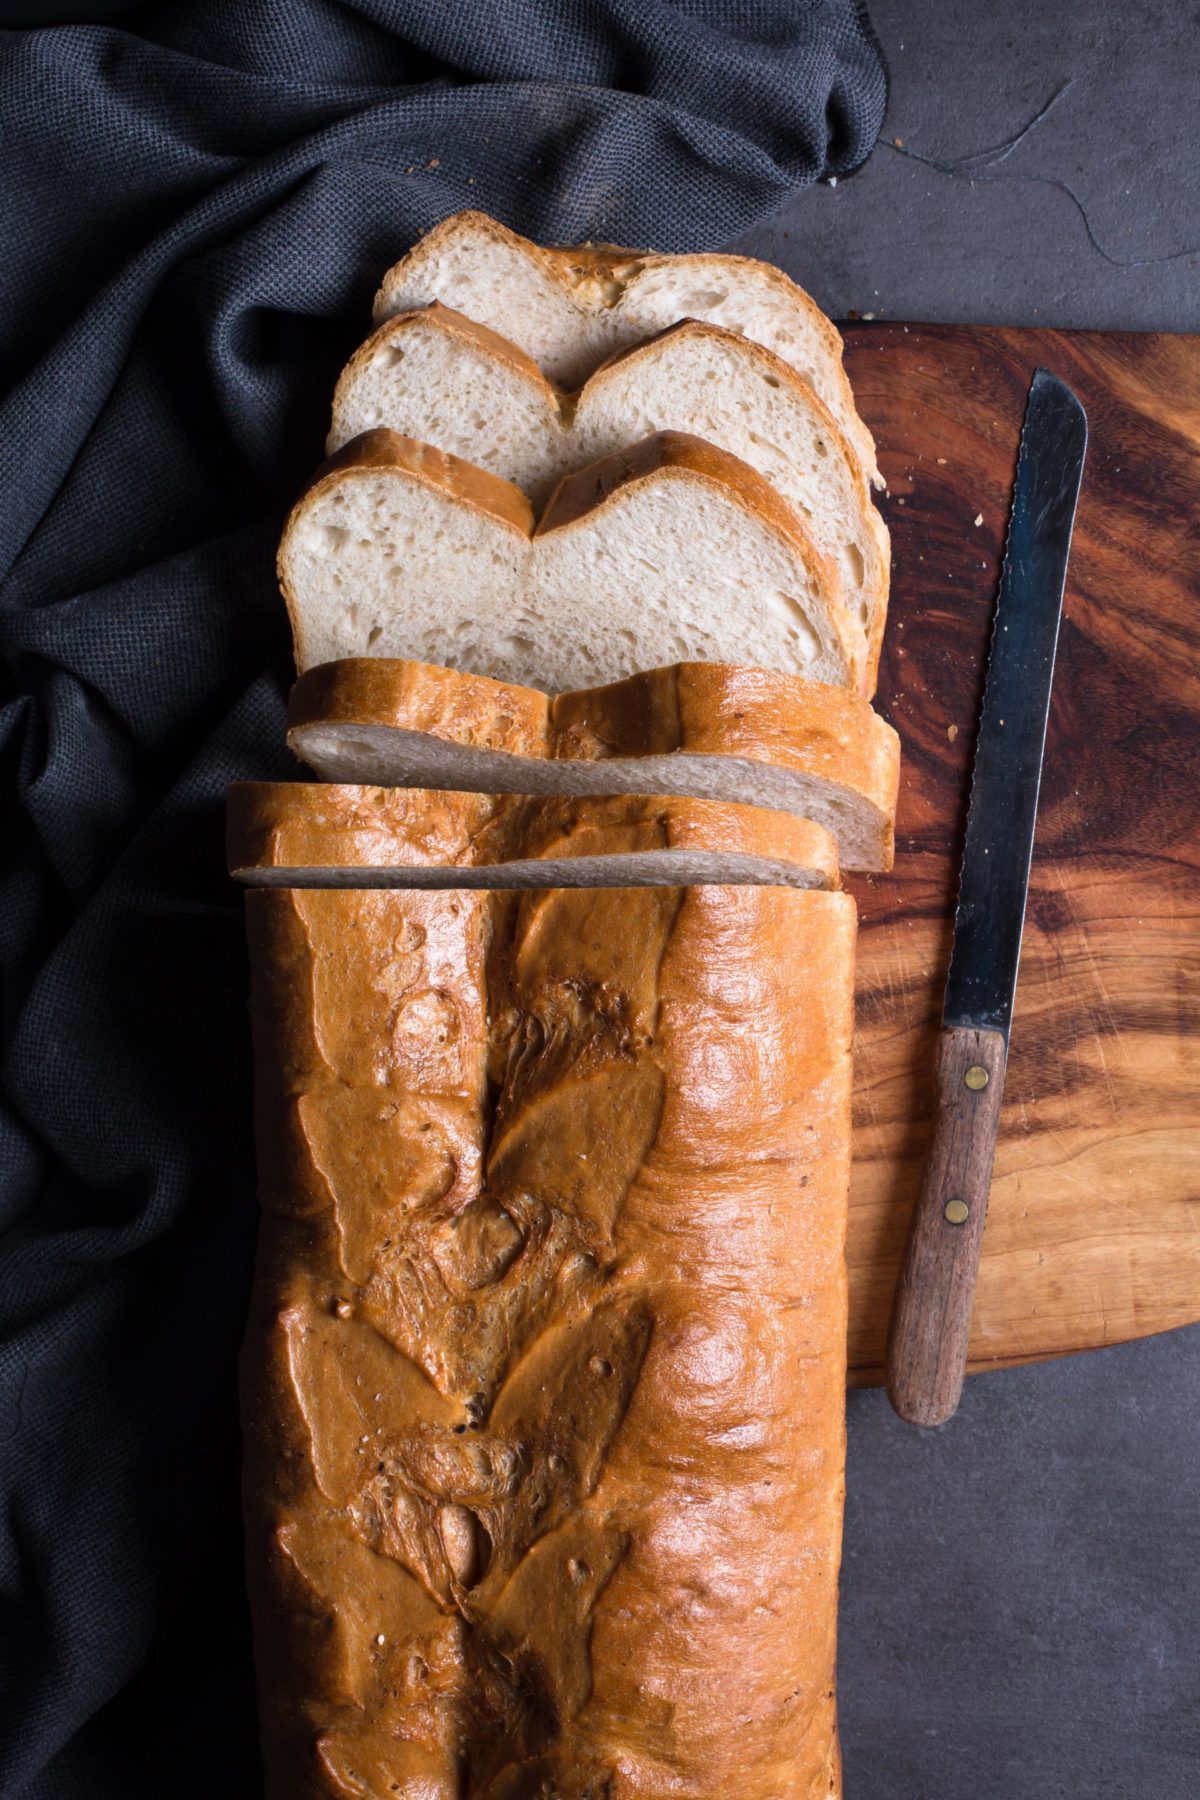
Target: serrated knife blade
(931, 1311)
(1007, 772)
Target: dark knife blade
(1007, 773)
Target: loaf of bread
(544, 1378)
(568, 309)
(412, 373)
(670, 549)
(708, 729)
(543, 1384)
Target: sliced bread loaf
(435, 375)
(671, 550)
(704, 729)
(300, 834)
(569, 308)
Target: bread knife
(931, 1310)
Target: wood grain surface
(1093, 1235)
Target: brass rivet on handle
(957, 1212)
(976, 1077)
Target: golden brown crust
(282, 824)
(543, 1390)
(393, 453)
(587, 825)
(720, 709)
(700, 709)
(447, 703)
(319, 825)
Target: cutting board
(1093, 1235)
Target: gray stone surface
(1020, 1603)
(1002, 241)
(1021, 1590)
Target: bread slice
(672, 550)
(708, 381)
(306, 835)
(705, 729)
(570, 308)
(436, 375)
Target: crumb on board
(942, 461)
(952, 732)
(979, 518)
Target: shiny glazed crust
(723, 710)
(294, 824)
(543, 1385)
(447, 703)
(701, 709)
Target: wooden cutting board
(1093, 1235)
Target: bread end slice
(300, 834)
(707, 730)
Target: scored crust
(551, 1259)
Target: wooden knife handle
(931, 1311)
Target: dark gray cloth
(196, 209)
